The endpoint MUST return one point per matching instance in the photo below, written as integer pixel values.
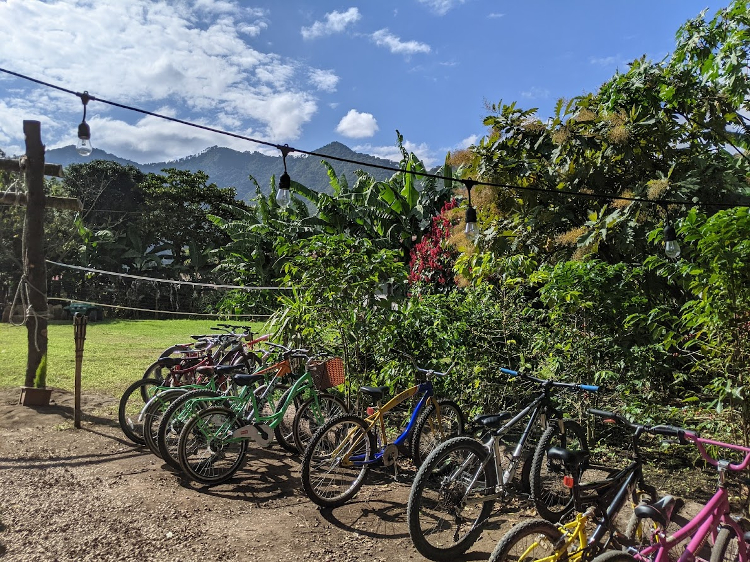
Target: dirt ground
(92, 495)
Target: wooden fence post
(79, 330)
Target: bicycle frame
(706, 523)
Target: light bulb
(284, 194)
(671, 246)
(471, 223)
(672, 249)
(83, 146)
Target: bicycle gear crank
(390, 455)
(258, 432)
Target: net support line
(169, 281)
(160, 311)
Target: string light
(284, 194)
(601, 196)
(83, 146)
(671, 246)
(471, 213)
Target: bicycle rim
(208, 453)
(335, 463)
(445, 510)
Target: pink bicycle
(730, 541)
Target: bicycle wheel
(312, 414)
(727, 546)
(446, 509)
(614, 556)
(336, 461)
(154, 371)
(427, 432)
(527, 541)
(284, 432)
(174, 419)
(208, 454)
(152, 414)
(551, 498)
(131, 406)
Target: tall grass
(116, 352)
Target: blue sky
(308, 73)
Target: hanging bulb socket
(470, 230)
(671, 246)
(83, 146)
(284, 193)
(471, 223)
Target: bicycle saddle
(243, 379)
(376, 392)
(571, 459)
(492, 421)
(659, 511)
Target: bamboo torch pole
(79, 328)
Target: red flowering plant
(432, 258)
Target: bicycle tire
(206, 440)
(529, 540)
(284, 432)
(153, 371)
(426, 437)
(174, 419)
(614, 556)
(551, 498)
(435, 510)
(129, 409)
(727, 545)
(345, 433)
(153, 413)
(308, 421)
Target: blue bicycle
(342, 451)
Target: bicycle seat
(375, 392)
(659, 511)
(492, 421)
(243, 379)
(571, 459)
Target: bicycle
(343, 450)
(455, 489)
(713, 521)
(598, 502)
(213, 442)
(183, 372)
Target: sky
(310, 73)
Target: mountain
(230, 168)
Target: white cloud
(384, 38)
(334, 22)
(535, 93)
(467, 142)
(325, 80)
(422, 150)
(356, 125)
(495, 15)
(441, 7)
(191, 57)
(603, 61)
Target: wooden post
(35, 268)
(79, 331)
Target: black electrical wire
(285, 149)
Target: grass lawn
(116, 352)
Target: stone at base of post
(32, 396)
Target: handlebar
(431, 372)
(685, 436)
(570, 385)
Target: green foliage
(40, 380)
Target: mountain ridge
(227, 167)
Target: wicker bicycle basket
(326, 374)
